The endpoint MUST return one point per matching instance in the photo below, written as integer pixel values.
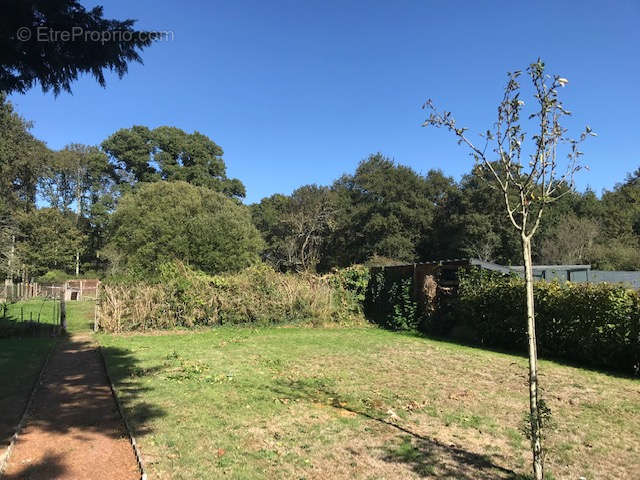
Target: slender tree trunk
(12, 257)
(536, 436)
(77, 263)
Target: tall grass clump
(184, 297)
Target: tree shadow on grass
(431, 458)
(21, 360)
(122, 364)
(12, 327)
(425, 455)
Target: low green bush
(54, 276)
(184, 297)
(350, 286)
(592, 324)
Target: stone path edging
(132, 440)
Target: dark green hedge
(592, 324)
(389, 300)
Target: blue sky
(299, 92)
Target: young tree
(528, 185)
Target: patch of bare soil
(73, 429)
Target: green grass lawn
(22, 356)
(79, 314)
(361, 403)
(20, 363)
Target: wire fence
(83, 289)
(38, 316)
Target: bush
(349, 285)
(184, 297)
(354, 279)
(54, 276)
(593, 324)
(166, 221)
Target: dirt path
(73, 429)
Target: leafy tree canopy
(388, 209)
(34, 45)
(297, 227)
(22, 158)
(49, 240)
(169, 153)
(166, 221)
(76, 176)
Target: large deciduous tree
(22, 158)
(470, 224)
(571, 241)
(76, 177)
(54, 41)
(164, 221)
(169, 153)
(48, 240)
(386, 209)
(528, 185)
(80, 178)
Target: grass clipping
(258, 295)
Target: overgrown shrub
(592, 324)
(389, 301)
(184, 297)
(350, 286)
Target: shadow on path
(49, 466)
(73, 428)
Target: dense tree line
(91, 210)
(59, 209)
(386, 212)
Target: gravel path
(73, 429)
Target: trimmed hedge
(594, 325)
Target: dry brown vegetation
(256, 295)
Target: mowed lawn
(79, 314)
(362, 403)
